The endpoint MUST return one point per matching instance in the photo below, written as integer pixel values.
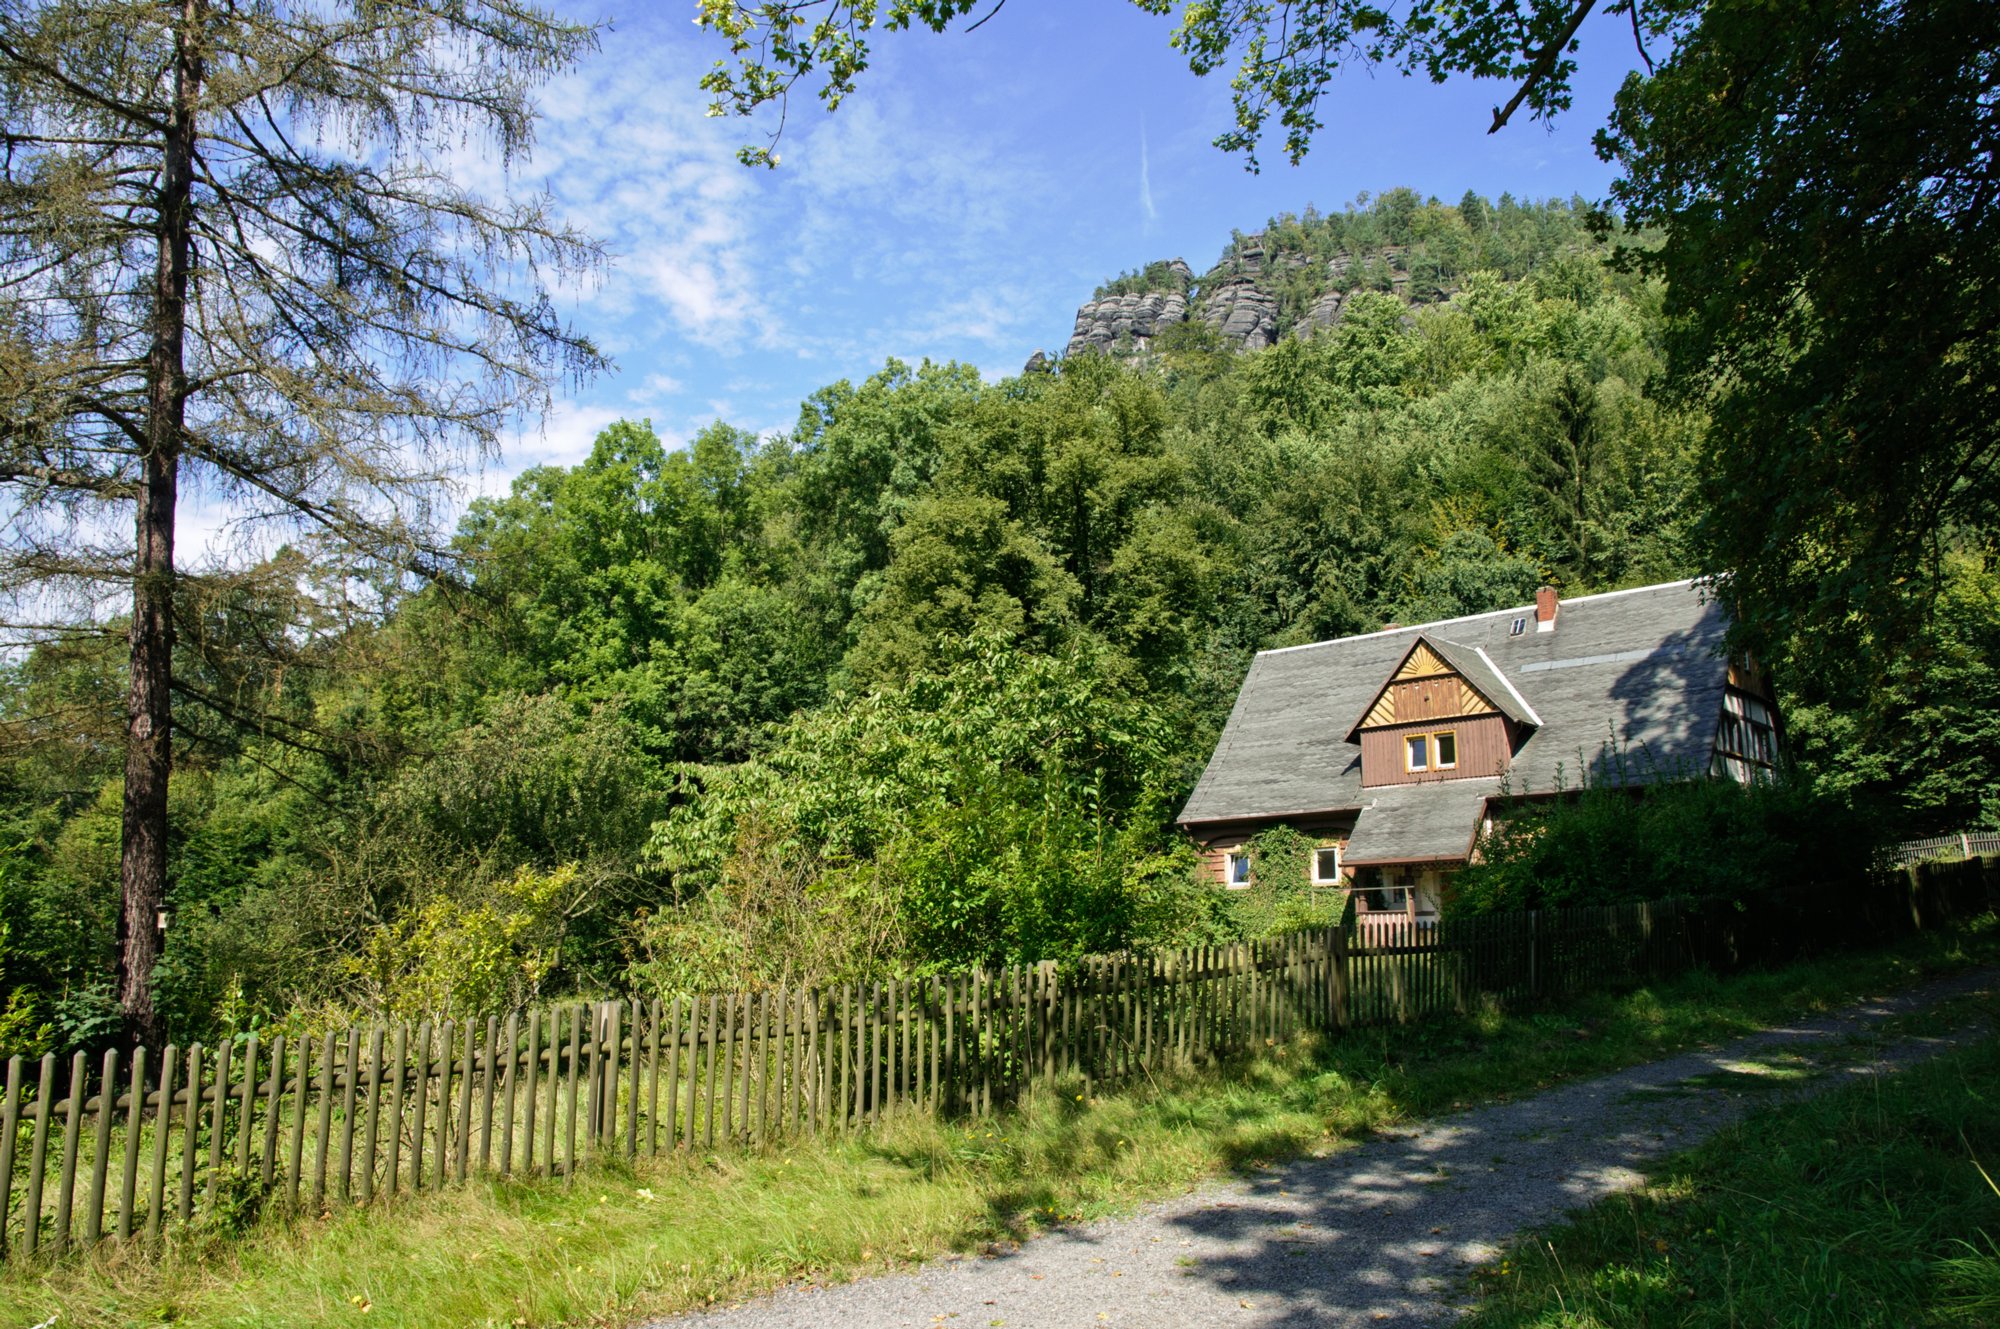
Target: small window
(1326, 864)
(1236, 870)
(1417, 752)
(1517, 627)
(1447, 750)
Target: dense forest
(918, 683)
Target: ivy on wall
(1282, 896)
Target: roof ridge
(1688, 583)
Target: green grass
(623, 1242)
(1871, 1205)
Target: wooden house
(1393, 749)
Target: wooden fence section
(130, 1147)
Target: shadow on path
(1380, 1234)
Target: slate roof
(1419, 823)
(1642, 669)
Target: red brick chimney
(1546, 605)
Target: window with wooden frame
(1431, 752)
(1746, 739)
(1326, 865)
(1236, 869)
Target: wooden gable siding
(1484, 748)
(1437, 697)
(1423, 662)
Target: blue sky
(959, 206)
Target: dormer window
(1440, 697)
(1430, 752)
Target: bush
(1006, 807)
(1709, 839)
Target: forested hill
(1296, 275)
(920, 682)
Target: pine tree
(233, 255)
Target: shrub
(1710, 839)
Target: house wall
(1215, 845)
(1483, 749)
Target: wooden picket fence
(133, 1147)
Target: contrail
(1145, 178)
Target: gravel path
(1380, 1234)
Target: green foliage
(1158, 275)
(1706, 838)
(1005, 807)
(454, 957)
(919, 683)
(1830, 252)
(1282, 896)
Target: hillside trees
(919, 683)
(229, 256)
(1822, 178)
(1832, 260)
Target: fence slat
(652, 1079)
(511, 1040)
(703, 1079)
(128, 1181)
(163, 1129)
(372, 1132)
(273, 1112)
(218, 1120)
(420, 1094)
(246, 1107)
(673, 1071)
(531, 1059)
(486, 1093)
(190, 1131)
(323, 1137)
(464, 1141)
(72, 1137)
(349, 1092)
(447, 1047)
(38, 1153)
(10, 1118)
(399, 1057)
(576, 1021)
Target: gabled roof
(1469, 663)
(1641, 671)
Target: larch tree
(236, 256)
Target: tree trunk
(149, 708)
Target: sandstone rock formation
(1245, 314)
(1240, 297)
(1130, 321)
(1106, 323)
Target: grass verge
(1872, 1205)
(623, 1242)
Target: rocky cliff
(1256, 294)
